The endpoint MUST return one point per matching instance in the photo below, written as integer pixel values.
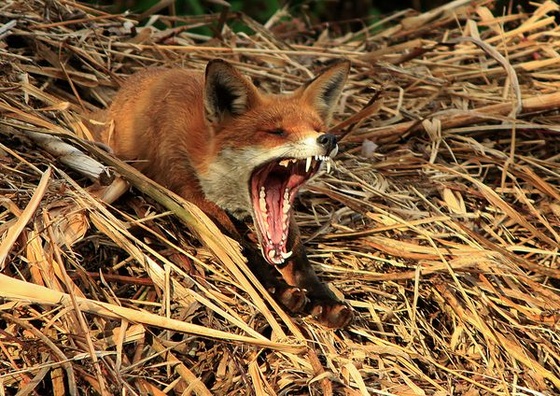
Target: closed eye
(277, 131)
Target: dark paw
(332, 314)
(292, 298)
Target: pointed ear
(323, 91)
(226, 91)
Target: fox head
(264, 147)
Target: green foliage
(257, 9)
(312, 11)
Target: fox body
(237, 153)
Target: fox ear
(226, 91)
(323, 91)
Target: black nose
(328, 141)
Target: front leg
(290, 297)
(323, 305)
(300, 289)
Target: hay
(440, 224)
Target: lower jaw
(274, 254)
(277, 260)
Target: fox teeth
(328, 165)
(287, 255)
(262, 200)
(286, 162)
(334, 152)
(272, 254)
(286, 204)
(308, 163)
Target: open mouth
(273, 188)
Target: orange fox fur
(218, 142)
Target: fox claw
(332, 314)
(292, 298)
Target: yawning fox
(214, 139)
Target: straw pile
(440, 224)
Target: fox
(239, 154)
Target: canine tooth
(334, 151)
(328, 165)
(272, 254)
(308, 163)
(287, 255)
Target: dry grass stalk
(442, 230)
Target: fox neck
(226, 180)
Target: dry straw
(440, 224)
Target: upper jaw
(309, 161)
(226, 181)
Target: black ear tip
(215, 64)
(338, 66)
(217, 61)
(344, 63)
